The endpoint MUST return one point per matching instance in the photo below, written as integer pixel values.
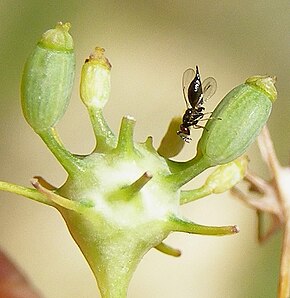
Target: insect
(195, 95)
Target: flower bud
(95, 80)
(226, 176)
(47, 79)
(237, 120)
(171, 144)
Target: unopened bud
(226, 176)
(237, 120)
(95, 80)
(48, 79)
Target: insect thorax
(192, 116)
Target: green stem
(125, 140)
(59, 200)
(188, 170)
(166, 249)
(188, 196)
(70, 162)
(136, 186)
(105, 138)
(180, 225)
(29, 193)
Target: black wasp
(195, 95)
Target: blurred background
(150, 44)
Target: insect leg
(204, 119)
(196, 126)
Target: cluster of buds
(124, 198)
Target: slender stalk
(26, 192)
(59, 200)
(140, 183)
(281, 188)
(105, 138)
(268, 151)
(166, 249)
(188, 196)
(70, 162)
(193, 228)
(284, 279)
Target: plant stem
(280, 182)
(166, 249)
(105, 138)
(125, 140)
(186, 226)
(188, 171)
(188, 196)
(70, 162)
(26, 192)
(284, 279)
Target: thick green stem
(70, 162)
(111, 286)
(188, 170)
(105, 138)
(26, 192)
(112, 253)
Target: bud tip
(266, 84)
(58, 38)
(98, 57)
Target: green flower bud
(226, 176)
(95, 80)
(237, 120)
(171, 143)
(48, 79)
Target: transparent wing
(209, 86)
(187, 78)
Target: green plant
(123, 199)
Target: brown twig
(275, 201)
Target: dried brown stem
(268, 152)
(284, 278)
(275, 201)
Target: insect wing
(209, 86)
(187, 78)
(195, 94)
